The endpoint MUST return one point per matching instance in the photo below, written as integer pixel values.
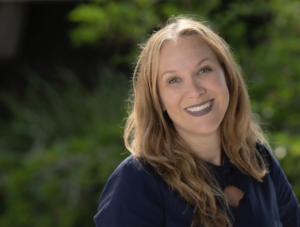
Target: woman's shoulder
(288, 205)
(133, 177)
(271, 162)
(265, 152)
(131, 169)
(133, 192)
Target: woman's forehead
(184, 50)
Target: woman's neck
(207, 147)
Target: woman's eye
(173, 80)
(204, 70)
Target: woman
(196, 156)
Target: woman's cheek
(170, 97)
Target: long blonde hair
(150, 134)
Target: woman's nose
(194, 88)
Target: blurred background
(65, 75)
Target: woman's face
(192, 86)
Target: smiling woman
(197, 97)
(197, 156)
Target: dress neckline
(224, 160)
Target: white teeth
(198, 108)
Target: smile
(200, 109)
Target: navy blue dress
(138, 197)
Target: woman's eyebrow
(199, 63)
(168, 71)
(203, 60)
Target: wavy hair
(149, 132)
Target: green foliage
(112, 20)
(59, 184)
(46, 112)
(73, 143)
(126, 22)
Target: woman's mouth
(201, 109)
